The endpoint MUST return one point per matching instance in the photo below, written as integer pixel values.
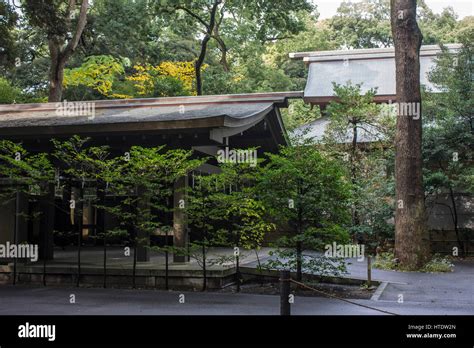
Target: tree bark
(199, 63)
(411, 238)
(299, 232)
(59, 56)
(220, 42)
(205, 41)
(80, 217)
(56, 72)
(355, 212)
(455, 220)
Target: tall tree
(307, 192)
(366, 24)
(8, 21)
(362, 131)
(57, 19)
(411, 242)
(448, 136)
(207, 15)
(237, 23)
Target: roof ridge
(278, 97)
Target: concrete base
(118, 278)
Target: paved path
(436, 288)
(423, 293)
(21, 300)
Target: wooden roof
(109, 116)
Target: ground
(423, 293)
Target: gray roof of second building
(373, 68)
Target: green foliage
(247, 52)
(386, 261)
(123, 28)
(143, 178)
(368, 164)
(24, 172)
(226, 207)
(298, 114)
(315, 264)
(448, 130)
(8, 20)
(168, 86)
(315, 37)
(97, 73)
(307, 192)
(301, 180)
(437, 263)
(448, 134)
(318, 237)
(8, 93)
(354, 109)
(364, 24)
(51, 16)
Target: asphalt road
(22, 300)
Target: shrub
(385, 261)
(8, 93)
(438, 263)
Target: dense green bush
(438, 263)
(8, 94)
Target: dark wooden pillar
(46, 224)
(100, 213)
(22, 222)
(180, 230)
(143, 237)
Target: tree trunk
(100, 225)
(204, 270)
(134, 267)
(299, 257)
(60, 55)
(56, 73)
(237, 271)
(223, 48)
(205, 41)
(80, 216)
(355, 212)
(16, 230)
(299, 231)
(411, 240)
(199, 63)
(456, 220)
(166, 260)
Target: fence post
(369, 271)
(284, 292)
